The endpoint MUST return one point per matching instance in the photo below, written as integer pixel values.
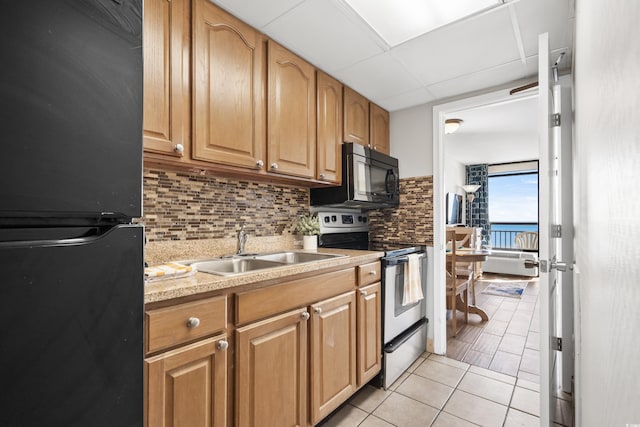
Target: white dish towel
(412, 291)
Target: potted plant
(309, 227)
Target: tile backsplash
(412, 221)
(188, 206)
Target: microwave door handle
(391, 183)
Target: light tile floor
(440, 391)
(489, 377)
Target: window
(513, 202)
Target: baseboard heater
(510, 262)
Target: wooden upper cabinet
(356, 117)
(228, 89)
(329, 110)
(166, 116)
(379, 128)
(291, 113)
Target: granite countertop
(198, 283)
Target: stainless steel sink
(231, 266)
(239, 264)
(297, 257)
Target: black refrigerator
(71, 255)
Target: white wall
(455, 175)
(607, 233)
(411, 141)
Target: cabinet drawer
(262, 303)
(369, 273)
(184, 322)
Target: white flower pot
(310, 243)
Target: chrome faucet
(242, 239)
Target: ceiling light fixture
(451, 125)
(398, 21)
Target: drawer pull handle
(318, 310)
(363, 293)
(222, 345)
(193, 322)
(373, 272)
(305, 315)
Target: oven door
(374, 181)
(398, 317)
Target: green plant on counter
(308, 225)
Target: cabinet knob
(259, 164)
(274, 166)
(305, 315)
(193, 322)
(321, 176)
(179, 148)
(222, 345)
(363, 293)
(317, 310)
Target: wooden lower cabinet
(188, 386)
(369, 332)
(332, 354)
(271, 371)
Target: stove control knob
(334, 218)
(326, 219)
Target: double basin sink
(247, 263)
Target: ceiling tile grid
(468, 55)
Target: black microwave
(369, 180)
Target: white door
(550, 239)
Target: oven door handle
(396, 260)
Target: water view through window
(513, 207)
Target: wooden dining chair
(457, 284)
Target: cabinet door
(369, 333)
(228, 89)
(292, 114)
(271, 369)
(379, 127)
(166, 117)
(188, 386)
(356, 117)
(329, 150)
(333, 354)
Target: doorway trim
(439, 112)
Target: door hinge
(556, 343)
(555, 120)
(555, 231)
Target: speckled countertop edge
(164, 290)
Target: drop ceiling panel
(541, 16)
(257, 13)
(512, 71)
(330, 47)
(459, 49)
(379, 77)
(406, 100)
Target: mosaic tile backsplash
(412, 221)
(188, 206)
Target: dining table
(472, 255)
